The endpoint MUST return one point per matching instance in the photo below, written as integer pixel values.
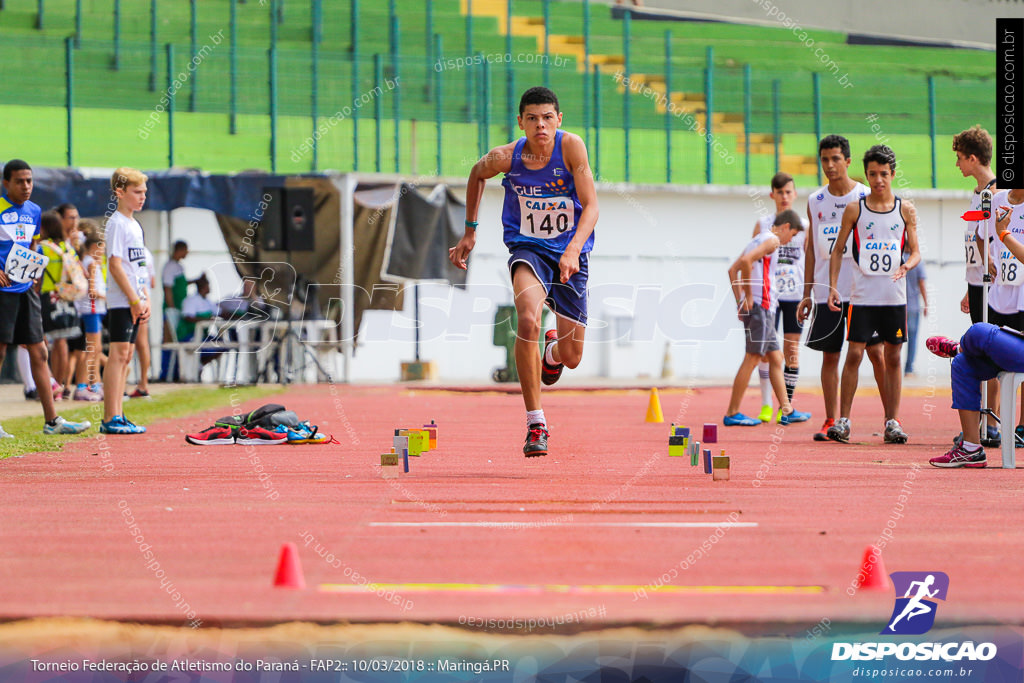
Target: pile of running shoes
(268, 425)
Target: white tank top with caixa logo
(826, 212)
(877, 246)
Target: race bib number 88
(1011, 271)
(545, 217)
(24, 265)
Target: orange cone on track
(654, 407)
(289, 571)
(872, 575)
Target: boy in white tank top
(884, 229)
(825, 209)
(973, 149)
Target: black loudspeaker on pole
(288, 223)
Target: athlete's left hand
(569, 264)
(900, 273)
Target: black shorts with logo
(122, 327)
(21, 318)
(867, 324)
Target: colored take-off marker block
(694, 453)
(432, 431)
(710, 432)
(402, 447)
(677, 446)
(707, 461)
(720, 467)
(424, 440)
(415, 444)
(389, 459)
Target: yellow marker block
(424, 436)
(414, 439)
(677, 446)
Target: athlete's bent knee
(570, 355)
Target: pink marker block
(710, 433)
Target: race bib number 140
(545, 217)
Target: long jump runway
(607, 527)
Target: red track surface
(215, 532)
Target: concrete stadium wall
(658, 280)
(946, 21)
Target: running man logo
(914, 613)
(899, 333)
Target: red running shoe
(549, 374)
(822, 434)
(212, 436)
(943, 347)
(258, 436)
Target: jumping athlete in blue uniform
(549, 215)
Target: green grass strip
(28, 431)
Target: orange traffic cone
(289, 571)
(872, 575)
(654, 407)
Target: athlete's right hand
(460, 252)
(140, 311)
(743, 307)
(965, 305)
(4, 280)
(835, 302)
(803, 310)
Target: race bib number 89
(880, 258)
(24, 265)
(545, 217)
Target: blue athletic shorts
(568, 300)
(93, 322)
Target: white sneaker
(894, 432)
(5, 435)
(62, 426)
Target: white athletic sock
(548, 357)
(534, 417)
(25, 368)
(766, 383)
(968, 446)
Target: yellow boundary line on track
(562, 588)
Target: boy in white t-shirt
(127, 294)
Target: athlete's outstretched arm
(574, 152)
(914, 252)
(498, 160)
(850, 216)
